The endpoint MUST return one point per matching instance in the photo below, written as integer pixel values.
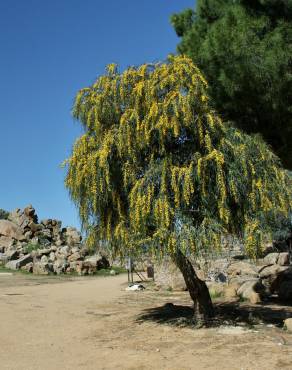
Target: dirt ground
(93, 323)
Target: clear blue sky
(49, 50)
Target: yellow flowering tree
(157, 170)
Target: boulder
(46, 222)
(86, 268)
(271, 258)
(272, 276)
(240, 279)
(73, 265)
(40, 268)
(44, 259)
(60, 266)
(230, 291)
(65, 250)
(10, 230)
(98, 261)
(75, 249)
(284, 259)
(74, 257)
(17, 264)
(271, 271)
(58, 242)
(28, 235)
(23, 218)
(28, 267)
(252, 290)
(73, 236)
(12, 253)
(33, 227)
(43, 251)
(6, 242)
(84, 251)
(3, 259)
(29, 211)
(52, 257)
(242, 268)
(217, 270)
(288, 324)
(45, 233)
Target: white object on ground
(135, 287)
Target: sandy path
(91, 324)
(46, 326)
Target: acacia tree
(157, 170)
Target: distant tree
(244, 49)
(3, 214)
(157, 170)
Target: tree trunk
(203, 307)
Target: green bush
(30, 247)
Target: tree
(3, 214)
(157, 170)
(244, 49)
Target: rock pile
(239, 279)
(44, 247)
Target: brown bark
(203, 307)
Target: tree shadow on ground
(227, 313)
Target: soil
(49, 323)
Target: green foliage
(3, 214)
(283, 228)
(107, 272)
(214, 294)
(244, 49)
(30, 247)
(157, 169)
